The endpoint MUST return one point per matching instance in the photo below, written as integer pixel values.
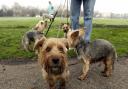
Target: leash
(55, 16)
(61, 20)
(67, 11)
(67, 15)
(76, 62)
(51, 24)
(82, 43)
(52, 21)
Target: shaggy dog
(32, 35)
(52, 56)
(99, 50)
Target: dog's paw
(106, 75)
(82, 77)
(103, 72)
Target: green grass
(12, 30)
(117, 36)
(111, 21)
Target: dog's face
(74, 37)
(41, 25)
(66, 27)
(53, 53)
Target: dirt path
(27, 75)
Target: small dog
(52, 56)
(66, 27)
(97, 51)
(33, 35)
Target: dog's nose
(55, 60)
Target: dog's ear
(75, 34)
(69, 25)
(45, 21)
(61, 25)
(39, 43)
(41, 22)
(82, 31)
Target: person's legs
(75, 13)
(88, 6)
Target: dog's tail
(23, 43)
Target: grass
(118, 37)
(12, 30)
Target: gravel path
(26, 74)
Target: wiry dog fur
(52, 56)
(65, 27)
(32, 35)
(99, 50)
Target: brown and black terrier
(52, 56)
(99, 50)
(65, 27)
(32, 35)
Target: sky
(115, 6)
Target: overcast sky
(116, 6)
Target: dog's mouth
(55, 65)
(56, 70)
(66, 30)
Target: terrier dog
(52, 56)
(66, 27)
(32, 35)
(99, 50)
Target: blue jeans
(88, 7)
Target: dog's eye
(61, 49)
(48, 49)
(42, 23)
